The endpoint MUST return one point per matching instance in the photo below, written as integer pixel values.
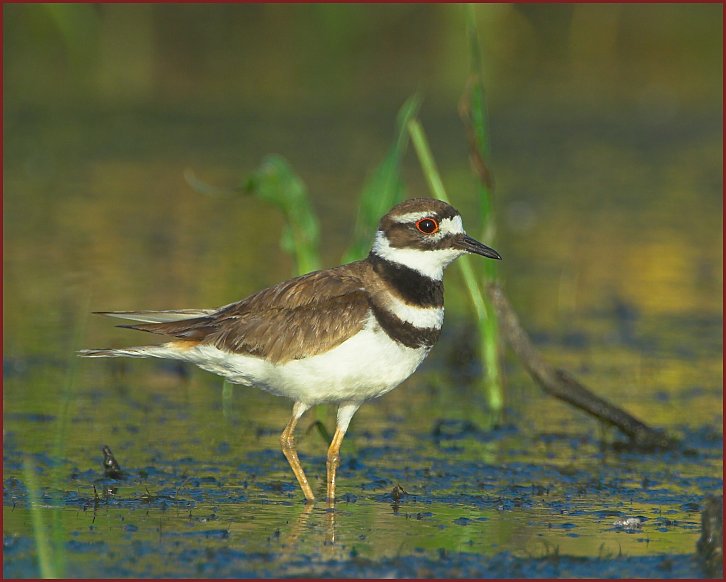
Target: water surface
(624, 293)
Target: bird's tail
(132, 352)
(174, 322)
(164, 316)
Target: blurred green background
(318, 56)
(606, 135)
(594, 108)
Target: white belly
(367, 365)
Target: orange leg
(287, 441)
(345, 413)
(334, 462)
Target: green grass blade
(484, 311)
(67, 400)
(472, 109)
(276, 183)
(69, 387)
(384, 188)
(40, 532)
(433, 178)
(475, 86)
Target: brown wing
(300, 317)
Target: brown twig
(562, 385)
(555, 382)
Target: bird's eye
(427, 225)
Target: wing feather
(300, 317)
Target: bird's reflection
(314, 527)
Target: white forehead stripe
(428, 262)
(446, 225)
(414, 216)
(451, 225)
(420, 317)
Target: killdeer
(342, 335)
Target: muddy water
(606, 130)
(612, 243)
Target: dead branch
(564, 386)
(556, 382)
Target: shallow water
(206, 491)
(610, 227)
(221, 502)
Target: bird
(342, 335)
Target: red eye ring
(427, 225)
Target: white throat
(430, 263)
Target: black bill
(471, 245)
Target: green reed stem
(433, 178)
(40, 531)
(473, 111)
(67, 398)
(484, 311)
(276, 183)
(385, 186)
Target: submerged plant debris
(431, 511)
(608, 213)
